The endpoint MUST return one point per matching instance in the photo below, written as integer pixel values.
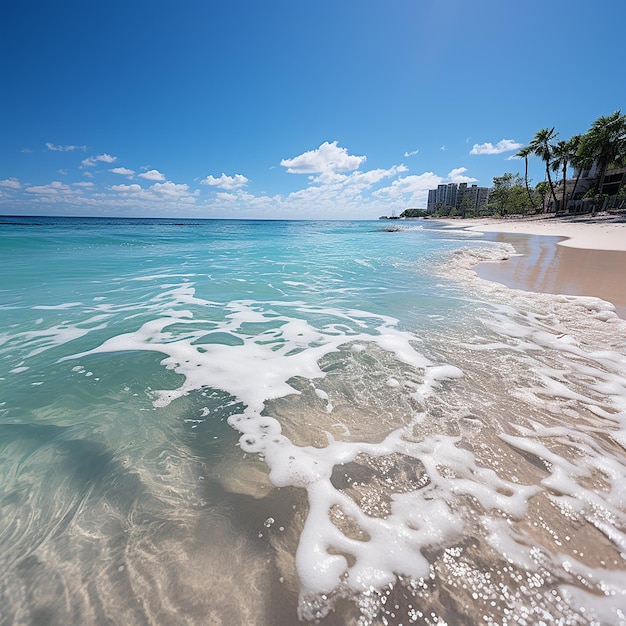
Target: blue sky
(288, 109)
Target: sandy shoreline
(572, 256)
(602, 232)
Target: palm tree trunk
(564, 207)
(530, 197)
(556, 202)
(599, 186)
(619, 188)
(580, 171)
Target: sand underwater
(318, 422)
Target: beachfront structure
(444, 195)
(457, 198)
(578, 188)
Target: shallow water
(540, 265)
(264, 422)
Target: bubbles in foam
(258, 368)
(389, 514)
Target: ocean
(274, 422)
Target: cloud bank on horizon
(335, 178)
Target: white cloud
(226, 196)
(124, 171)
(11, 183)
(55, 148)
(321, 199)
(443, 147)
(152, 175)
(410, 154)
(457, 176)
(91, 161)
(357, 180)
(410, 187)
(504, 145)
(54, 188)
(84, 185)
(329, 157)
(413, 190)
(166, 194)
(173, 191)
(134, 188)
(226, 182)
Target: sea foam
(348, 544)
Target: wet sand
(581, 256)
(544, 266)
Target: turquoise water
(228, 422)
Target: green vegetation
(414, 213)
(508, 195)
(593, 155)
(598, 158)
(465, 210)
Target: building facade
(457, 197)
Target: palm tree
(563, 153)
(604, 143)
(524, 153)
(579, 161)
(542, 147)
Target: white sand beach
(580, 255)
(601, 232)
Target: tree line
(592, 155)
